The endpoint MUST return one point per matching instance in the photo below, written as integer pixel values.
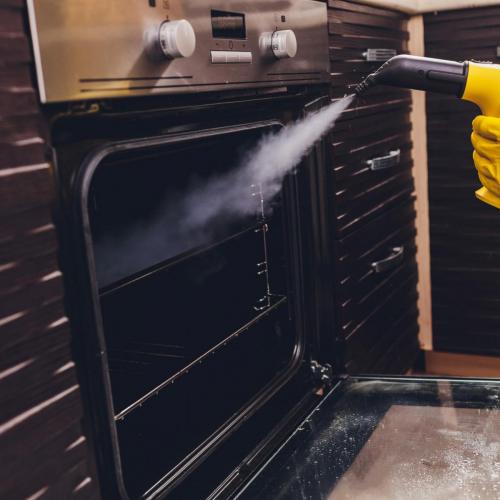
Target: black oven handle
(384, 265)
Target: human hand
(486, 141)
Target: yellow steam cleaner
(478, 82)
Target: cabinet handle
(379, 55)
(390, 160)
(396, 257)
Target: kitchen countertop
(423, 6)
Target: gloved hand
(486, 141)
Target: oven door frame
(92, 341)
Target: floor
(461, 365)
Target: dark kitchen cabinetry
(43, 448)
(464, 232)
(369, 189)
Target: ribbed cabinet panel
(371, 208)
(465, 246)
(43, 450)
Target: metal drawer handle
(396, 257)
(379, 55)
(387, 161)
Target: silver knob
(284, 44)
(177, 39)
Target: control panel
(91, 49)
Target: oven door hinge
(85, 108)
(322, 373)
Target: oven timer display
(228, 25)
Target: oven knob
(284, 44)
(177, 39)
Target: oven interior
(198, 315)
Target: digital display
(228, 25)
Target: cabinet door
(370, 197)
(465, 241)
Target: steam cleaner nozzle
(419, 73)
(478, 82)
(366, 84)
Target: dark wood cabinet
(465, 247)
(370, 187)
(43, 449)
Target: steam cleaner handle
(472, 81)
(483, 89)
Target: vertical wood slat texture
(43, 451)
(465, 246)
(376, 323)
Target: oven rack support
(263, 267)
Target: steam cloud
(274, 156)
(224, 198)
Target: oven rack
(120, 416)
(143, 353)
(166, 264)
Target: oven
(200, 320)
(195, 312)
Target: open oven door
(391, 438)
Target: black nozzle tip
(361, 88)
(366, 84)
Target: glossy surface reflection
(392, 439)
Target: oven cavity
(197, 321)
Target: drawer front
(367, 151)
(370, 168)
(357, 207)
(391, 348)
(367, 347)
(371, 263)
(465, 233)
(361, 38)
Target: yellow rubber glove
(486, 141)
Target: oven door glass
(195, 305)
(376, 438)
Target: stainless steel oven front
(87, 49)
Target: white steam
(266, 165)
(194, 218)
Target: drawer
(375, 104)
(367, 267)
(361, 38)
(381, 164)
(366, 346)
(365, 143)
(371, 168)
(354, 208)
(355, 53)
(365, 131)
(363, 15)
(344, 83)
(399, 349)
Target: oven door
(196, 327)
(391, 438)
